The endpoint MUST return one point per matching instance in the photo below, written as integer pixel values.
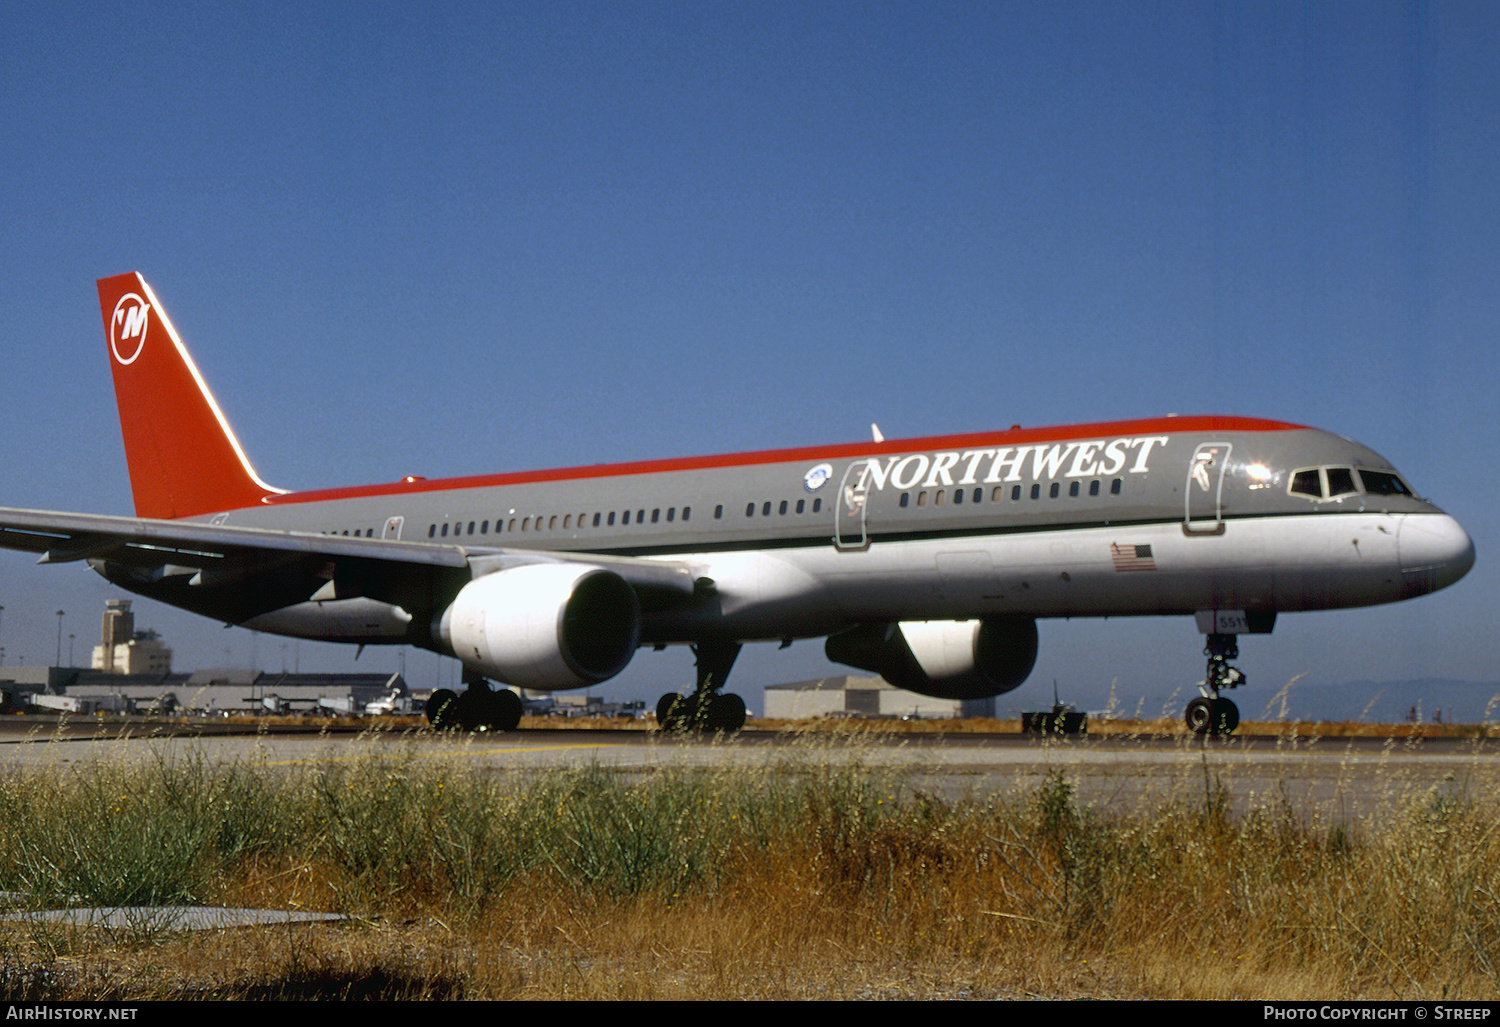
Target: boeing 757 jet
(929, 561)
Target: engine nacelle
(971, 659)
(545, 625)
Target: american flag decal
(1132, 558)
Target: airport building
(205, 692)
(848, 695)
(132, 673)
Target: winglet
(184, 459)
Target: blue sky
(449, 239)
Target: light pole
(58, 661)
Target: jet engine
(545, 626)
(971, 659)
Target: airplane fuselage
(1166, 516)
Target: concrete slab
(169, 918)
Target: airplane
(928, 561)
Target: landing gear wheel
(682, 714)
(505, 710)
(726, 712)
(1225, 716)
(1216, 716)
(440, 709)
(472, 708)
(664, 707)
(1199, 715)
(481, 708)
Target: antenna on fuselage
(875, 431)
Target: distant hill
(1374, 702)
(1390, 702)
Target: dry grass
(805, 878)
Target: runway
(1332, 778)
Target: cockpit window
(1337, 482)
(1307, 483)
(1341, 482)
(1383, 483)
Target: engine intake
(545, 626)
(972, 659)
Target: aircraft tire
(1199, 715)
(440, 711)
(686, 715)
(726, 712)
(1225, 716)
(664, 707)
(505, 710)
(474, 707)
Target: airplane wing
(218, 555)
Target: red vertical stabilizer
(184, 459)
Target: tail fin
(184, 459)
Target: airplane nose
(1434, 550)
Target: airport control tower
(124, 650)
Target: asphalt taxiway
(1337, 778)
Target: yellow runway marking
(448, 752)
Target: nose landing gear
(1211, 713)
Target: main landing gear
(707, 709)
(1211, 713)
(477, 708)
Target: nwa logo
(127, 327)
(1084, 459)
